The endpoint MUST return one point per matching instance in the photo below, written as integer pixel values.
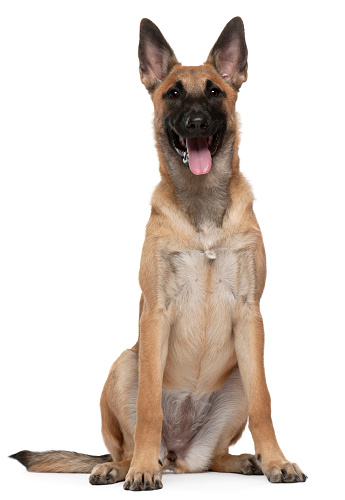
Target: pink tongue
(200, 161)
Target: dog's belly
(203, 290)
(193, 426)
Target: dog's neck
(204, 198)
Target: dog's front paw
(282, 472)
(143, 480)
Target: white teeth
(185, 157)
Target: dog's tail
(59, 461)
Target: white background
(78, 167)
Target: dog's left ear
(156, 57)
(229, 53)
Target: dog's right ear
(156, 57)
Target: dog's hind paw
(106, 473)
(250, 466)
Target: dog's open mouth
(196, 152)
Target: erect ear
(229, 53)
(156, 57)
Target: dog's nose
(197, 123)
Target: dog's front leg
(145, 470)
(249, 345)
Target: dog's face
(194, 106)
(193, 112)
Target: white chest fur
(224, 273)
(203, 291)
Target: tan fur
(184, 392)
(212, 306)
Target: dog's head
(194, 106)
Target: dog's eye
(174, 94)
(214, 92)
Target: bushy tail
(59, 461)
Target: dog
(184, 393)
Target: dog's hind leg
(115, 471)
(222, 461)
(240, 464)
(118, 411)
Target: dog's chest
(210, 280)
(202, 290)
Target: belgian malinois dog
(183, 394)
